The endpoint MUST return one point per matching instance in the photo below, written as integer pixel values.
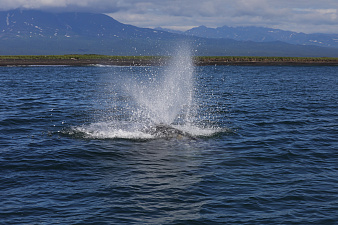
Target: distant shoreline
(87, 60)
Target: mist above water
(142, 101)
(167, 99)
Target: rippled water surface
(262, 147)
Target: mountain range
(32, 32)
(261, 34)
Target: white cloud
(64, 5)
(301, 15)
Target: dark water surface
(271, 156)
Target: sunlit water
(73, 148)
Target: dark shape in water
(167, 131)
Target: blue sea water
(264, 148)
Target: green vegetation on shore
(197, 58)
(73, 56)
(92, 59)
(264, 59)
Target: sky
(308, 16)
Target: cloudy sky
(307, 16)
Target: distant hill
(35, 32)
(262, 34)
(169, 30)
(32, 32)
(32, 23)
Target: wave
(112, 130)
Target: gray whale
(167, 131)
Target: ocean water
(261, 145)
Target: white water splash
(170, 99)
(165, 98)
